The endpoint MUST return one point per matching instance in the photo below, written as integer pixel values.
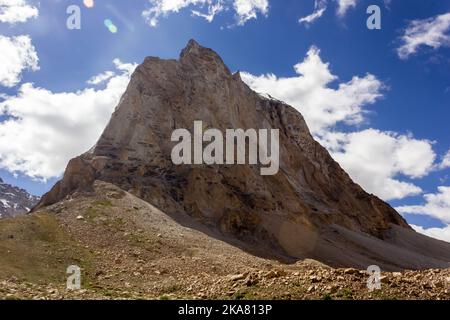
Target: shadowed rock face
(310, 202)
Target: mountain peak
(196, 57)
(192, 43)
(309, 208)
(191, 48)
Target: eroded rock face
(288, 210)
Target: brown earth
(128, 249)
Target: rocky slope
(127, 248)
(310, 209)
(15, 201)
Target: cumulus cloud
(208, 9)
(249, 9)
(160, 8)
(42, 124)
(445, 161)
(16, 55)
(438, 233)
(323, 107)
(101, 78)
(319, 8)
(15, 11)
(436, 205)
(373, 158)
(104, 76)
(433, 32)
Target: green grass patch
(172, 288)
(345, 294)
(35, 248)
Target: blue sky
(381, 110)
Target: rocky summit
(310, 209)
(15, 201)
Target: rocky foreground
(308, 282)
(128, 249)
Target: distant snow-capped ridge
(15, 201)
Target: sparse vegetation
(240, 295)
(40, 250)
(327, 296)
(173, 288)
(102, 203)
(134, 254)
(345, 294)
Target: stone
(237, 277)
(351, 271)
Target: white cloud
(438, 233)
(38, 136)
(101, 78)
(445, 161)
(104, 76)
(16, 55)
(213, 10)
(164, 7)
(15, 11)
(319, 8)
(309, 91)
(436, 205)
(433, 32)
(244, 9)
(373, 158)
(345, 5)
(249, 9)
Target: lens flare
(89, 3)
(113, 29)
(110, 25)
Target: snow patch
(5, 203)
